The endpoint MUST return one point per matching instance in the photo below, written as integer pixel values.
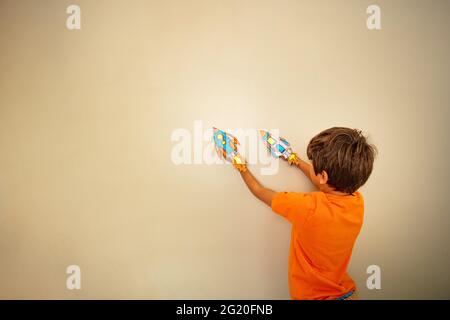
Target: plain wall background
(86, 118)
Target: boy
(325, 223)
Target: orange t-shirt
(324, 230)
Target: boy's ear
(323, 177)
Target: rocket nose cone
(262, 132)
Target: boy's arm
(262, 193)
(304, 166)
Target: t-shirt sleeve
(296, 207)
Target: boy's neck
(337, 193)
(330, 190)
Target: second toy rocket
(278, 147)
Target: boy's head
(341, 158)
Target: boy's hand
(239, 163)
(293, 159)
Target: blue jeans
(345, 296)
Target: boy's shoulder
(357, 195)
(315, 200)
(319, 197)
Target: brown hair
(345, 155)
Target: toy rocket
(226, 146)
(278, 147)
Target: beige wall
(86, 118)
